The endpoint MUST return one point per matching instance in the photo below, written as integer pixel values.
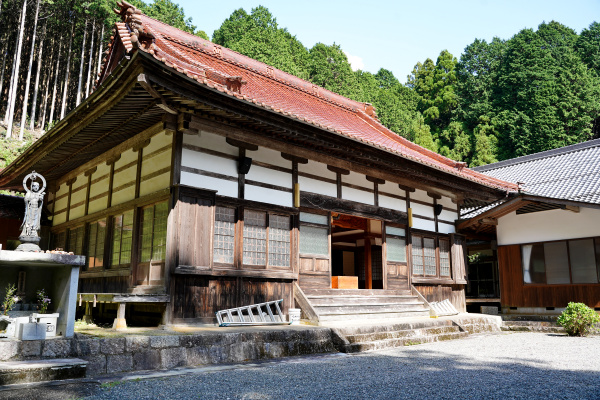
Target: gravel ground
(503, 366)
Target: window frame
(238, 238)
(111, 238)
(88, 229)
(399, 237)
(140, 231)
(326, 226)
(436, 237)
(595, 246)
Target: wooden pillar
(120, 322)
(368, 267)
(87, 318)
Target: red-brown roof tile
(214, 66)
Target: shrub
(578, 319)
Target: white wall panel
(319, 187)
(270, 196)
(421, 209)
(211, 141)
(423, 224)
(445, 228)
(208, 162)
(421, 195)
(317, 168)
(360, 196)
(447, 202)
(391, 187)
(357, 179)
(269, 156)
(548, 225)
(390, 202)
(155, 184)
(448, 215)
(223, 187)
(121, 196)
(271, 176)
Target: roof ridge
(540, 155)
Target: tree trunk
(12, 78)
(3, 69)
(46, 87)
(91, 61)
(13, 95)
(51, 117)
(28, 80)
(81, 64)
(99, 63)
(63, 109)
(37, 81)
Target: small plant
(578, 319)
(43, 301)
(9, 299)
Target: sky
(397, 34)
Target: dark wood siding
(514, 293)
(454, 293)
(197, 298)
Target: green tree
(328, 67)
(257, 35)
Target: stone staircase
(16, 372)
(353, 305)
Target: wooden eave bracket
(290, 157)
(145, 83)
(375, 180)
(337, 170)
(574, 209)
(241, 145)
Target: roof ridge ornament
(140, 34)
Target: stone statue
(34, 199)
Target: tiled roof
(249, 80)
(569, 173)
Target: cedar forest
(536, 91)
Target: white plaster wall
(121, 196)
(357, 179)
(448, 215)
(421, 195)
(223, 187)
(269, 156)
(319, 187)
(155, 184)
(212, 142)
(447, 202)
(392, 188)
(271, 176)
(360, 196)
(548, 225)
(208, 162)
(445, 228)
(394, 204)
(423, 224)
(270, 196)
(317, 168)
(422, 209)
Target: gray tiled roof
(570, 173)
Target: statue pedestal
(29, 243)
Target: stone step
(327, 300)
(334, 309)
(355, 292)
(13, 372)
(363, 317)
(532, 326)
(386, 335)
(402, 341)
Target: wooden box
(344, 282)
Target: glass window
(444, 257)
(279, 240)
(396, 249)
(583, 261)
(60, 240)
(314, 218)
(417, 255)
(534, 270)
(76, 240)
(97, 233)
(153, 232)
(314, 234)
(224, 239)
(557, 262)
(255, 238)
(429, 256)
(122, 239)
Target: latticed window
(396, 244)
(97, 233)
(60, 239)
(76, 240)
(444, 257)
(314, 234)
(430, 256)
(255, 238)
(279, 240)
(122, 239)
(153, 233)
(224, 240)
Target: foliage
(9, 299)
(578, 319)
(43, 301)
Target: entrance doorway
(356, 250)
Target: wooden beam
(242, 145)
